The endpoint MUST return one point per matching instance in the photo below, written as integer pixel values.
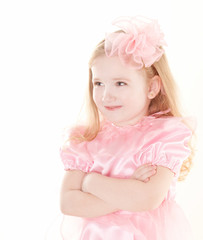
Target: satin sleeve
(75, 156)
(169, 147)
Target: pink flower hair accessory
(138, 43)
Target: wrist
(87, 180)
(82, 179)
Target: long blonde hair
(167, 98)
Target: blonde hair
(167, 98)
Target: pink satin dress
(117, 152)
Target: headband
(138, 43)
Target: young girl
(123, 165)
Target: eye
(121, 83)
(97, 83)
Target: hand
(144, 172)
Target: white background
(44, 51)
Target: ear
(154, 87)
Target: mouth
(112, 108)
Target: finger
(144, 166)
(142, 171)
(146, 180)
(148, 174)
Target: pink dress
(117, 152)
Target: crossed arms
(93, 195)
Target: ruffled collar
(145, 121)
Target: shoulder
(169, 128)
(163, 129)
(170, 124)
(70, 136)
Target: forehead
(112, 67)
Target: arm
(77, 203)
(130, 194)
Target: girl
(123, 165)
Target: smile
(112, 108)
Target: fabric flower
(139, 43)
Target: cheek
(137, 98)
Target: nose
(108, 95)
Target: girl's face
(119, 92)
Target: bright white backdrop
(44, 50)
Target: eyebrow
(115, 79)
(121, 78)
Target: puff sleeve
(75, 156)
(168, 146)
